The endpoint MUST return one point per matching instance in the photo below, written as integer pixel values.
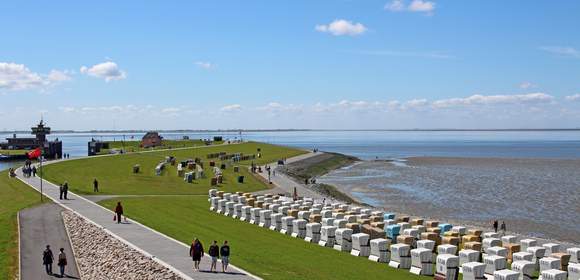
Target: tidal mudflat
(535, 197)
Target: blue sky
(290, 64)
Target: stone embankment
(101, 256)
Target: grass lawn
(265, 253)
(13, 152)
(134, 145)
(115, 176)
(317, 166)
(14, 196)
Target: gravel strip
(102, 256)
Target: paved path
(285, 184)
(166, 250)
(41, 226)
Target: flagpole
(41, 157)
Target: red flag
(36, 153)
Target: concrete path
(164, 249)
(41, 226)
(284, 184)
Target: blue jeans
(48, 268)
(61, 270)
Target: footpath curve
(164, 249)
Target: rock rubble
(101, 256)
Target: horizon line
(294, 129)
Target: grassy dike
(262, 252)
(317, 166)
(115, 176)
(265, 253)
(135, 145)
(14, 196)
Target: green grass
(13, 152)
(115, 176)
(317, 166)
(265, 253)
(14, 196)
(135, 145)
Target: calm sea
(381, 144)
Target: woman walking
(62, 262)
(119, 212)
(196, 253)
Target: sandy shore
(539, 198)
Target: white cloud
(574, 97)
(562, 51)
(205, 65)
(231, 108)
(17, 77)
(419, 6)
(527, 85)
(517, 99)
(342, 27)
(106, 70)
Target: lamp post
(41, 174)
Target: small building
(151, 139)
(51, 149)
(95, 146)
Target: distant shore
(297, 129)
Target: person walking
(495, 224)
(62, 262)
(503, 227)
(196, 253)
(65, 189)
(61, 190)
(95, 185)
(34, 171)
(47, 259)
(119, 212)
(214, 253)
(225, 255)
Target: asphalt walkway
(166, 250)
(284, 184)
(41, 226)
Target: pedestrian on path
(65, 190)
(225, 255)
(495, 224)
(196, 253)
(61, 191)
(214, 253)
(119, 212)
(503, 227)
(95, 185)
(34, 171)
(47, 259)
(62, 262)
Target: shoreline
(470, 224)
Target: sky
(345, 64)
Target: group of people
(196, 252)
(502, 227)
(48, 260)
(64, 190)
(29, 170)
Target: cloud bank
(18, 77)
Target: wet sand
(535, 197)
